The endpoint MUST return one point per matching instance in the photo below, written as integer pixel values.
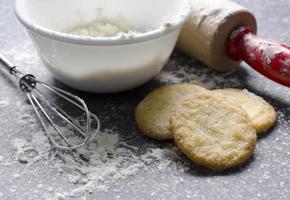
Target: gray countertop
(140, 167)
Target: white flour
(3, 103)
(50, 175)
(106, 27)
(268, 51)
(180, 71)
(98, 165)
(217, 10)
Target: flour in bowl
(106, 27)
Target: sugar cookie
(212, 131)
(153, 113)
(261, 113)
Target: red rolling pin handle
(267, 57)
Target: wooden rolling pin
(221, 34)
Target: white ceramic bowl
(103, 64)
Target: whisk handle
(7, 64)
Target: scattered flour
(185, 70)
(60, 196)
(251, 94)
(24, 56)
(19, 145)
(99, 164)
(16, 175)
(3, 103)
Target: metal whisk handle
(7, 64)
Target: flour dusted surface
(124, 164)
(98, 165)
(265, 177)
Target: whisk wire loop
(62, 113)
(87, 134)
(47, 112)
(35, 104)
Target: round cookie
(261, 113)
(212, 131)
(153, 113)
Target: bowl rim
(103, 41)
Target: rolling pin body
(221, 33)
(205, 34)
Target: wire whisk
(77, 133)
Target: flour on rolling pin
(205, 34)
(214, 9)
(269, 53)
